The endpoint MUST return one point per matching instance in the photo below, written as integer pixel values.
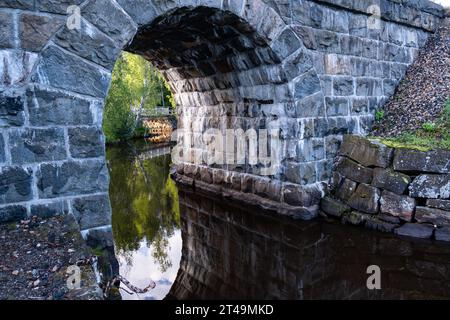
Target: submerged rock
(431, 215)
(415, 230)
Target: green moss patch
(432, 135)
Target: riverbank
(36, 254)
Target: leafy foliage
(429, 126)
(136, 86)
(379, 115)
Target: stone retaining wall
(392, 190)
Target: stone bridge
(313, 70)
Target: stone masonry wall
(310, 68)
(392, 190)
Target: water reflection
(196, 247)
(146, 216)
(237, 253)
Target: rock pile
(425, 89)
(392, 190)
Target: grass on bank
(432, 135)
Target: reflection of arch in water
(231, 253)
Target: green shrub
(429, 126)
(379, 115)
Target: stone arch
(254, 81)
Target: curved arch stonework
(313, 70)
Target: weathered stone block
(337, 106)
(332, 146)
(86, 142)
(110, 19)
(301, 173)
(354, 171)
(234, 181)
(439, 204)
(355, 218)
(56, 6)
(310, 149)
(84, 43)
(390, 180)
(415, 230)
(323, 170)
(345, 189)
(206, 175)
(297, 64)
(72, 178)
(15, 185)
(333, 207)
(337, 64)
(36, 145)
(366, 152)
(17, 4)
(442, 234)
(374, 223)
(92, 212)
(11, 111)
(47, 108)
(430, 186)
(6, 30)
(436, 161)
(247, 183)
(365, 199)
(389, 218)
(366, 87)
(268, 188)
(301, 196)
(142, 11)
(218, 177)
(12, 213)
(434, 216)
(311, 106)
(36, 30)
(359, 106)
(286, 44)
(397, 206)
(308, 84)
(51, 209)
(64, 71)
(16, 67)
(343, 86)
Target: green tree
(136, 86)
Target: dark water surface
(193, 246)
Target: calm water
(195, 247)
